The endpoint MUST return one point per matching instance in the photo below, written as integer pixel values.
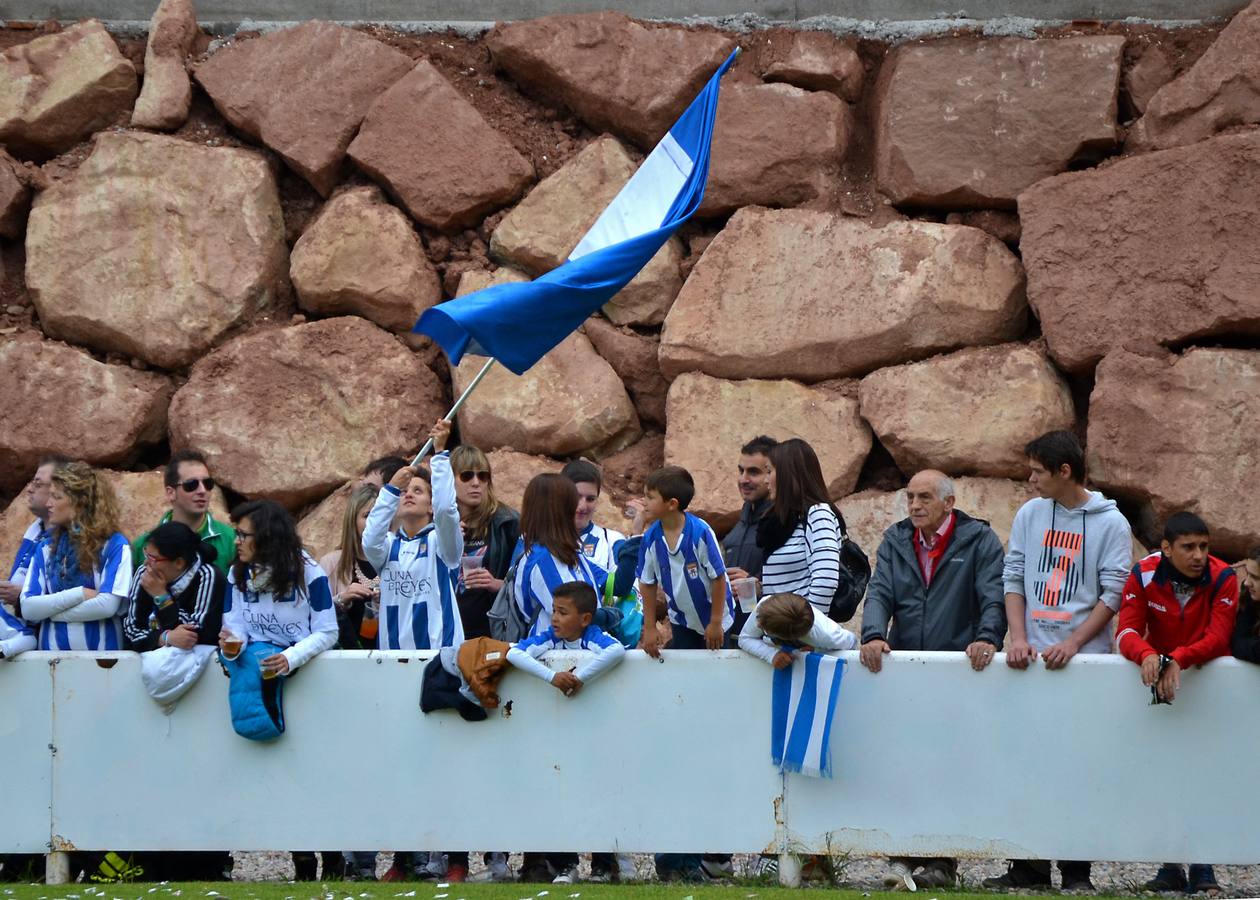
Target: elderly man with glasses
(188, 490)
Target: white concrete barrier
(930, 758)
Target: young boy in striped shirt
(572, 614)
(680, 562)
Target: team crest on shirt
(693, 570)
(588, 548)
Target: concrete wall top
(459, 11)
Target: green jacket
(219, 535)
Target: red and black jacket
(1152, 621)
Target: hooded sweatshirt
(1063, 562)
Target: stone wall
(920, 255)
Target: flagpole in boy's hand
(450, 416)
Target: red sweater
(1152, 621)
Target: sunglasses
(470, 475)
(190, 484)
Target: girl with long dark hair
(552, 554)
(277, 593)
(800, 535)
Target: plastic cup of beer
(267, 672)
(468, 563)
(232, 646)
(745, 590)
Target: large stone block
(303, 91)
(969, 412)
(636, 360)
(320, 527)
(432, 150)
(541, 231)
(1179, 434)
(58, 89)
(618, 75)
(1157, 249)
(61, 400)
(709, 419)
(971, 122)
(362, 256)
(166, 93)
(570, 402)
(774, 145)
(512, 472)
(819, 61)
(812, 295)
(156, 247)
(1221, 90)
(541, 412)
(291, 413)
(15, 197)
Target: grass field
(430, 891)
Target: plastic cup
(232, 646)
(468, 563)
(745, 591)
(267, 673)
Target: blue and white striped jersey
(304, 621)
(15, 635)
(685, 583)
(540, 573)
(599, 545)
(54, 599)
(608, 652)
(34, 533)
(418, 609)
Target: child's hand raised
(566, 683)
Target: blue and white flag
(804, 707)
(518, 323)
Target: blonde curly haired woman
(81, 572)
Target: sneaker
(434, 869)
(496, 870)
(539, 873)
(395, 873)
(1203, 881)
(1168, 878)
(935, 875)
(717, 869)
(898, 878)
(566, 876)
(1018, 876)
(626, 869)
(456, 872)
(766, 867)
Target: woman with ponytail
(81, 573)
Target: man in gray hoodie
(1069, 556)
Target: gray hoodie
(1063, 561)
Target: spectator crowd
(431, 559)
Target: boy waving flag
(518, 323)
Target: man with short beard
(742, 555)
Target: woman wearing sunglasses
(491, 529)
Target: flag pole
(450, 416)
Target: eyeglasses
(154, 558)
(190, 484)
(243, 535)
(470, 475)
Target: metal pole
(450, 416)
